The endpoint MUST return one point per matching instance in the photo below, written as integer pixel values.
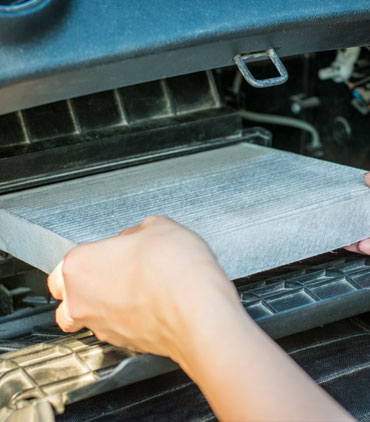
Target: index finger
(56, 282)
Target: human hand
(144, 289)
(362, 247)
(158, 288)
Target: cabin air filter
(258, 208)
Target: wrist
(207, 323)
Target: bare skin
(158, 288)
(363, 246)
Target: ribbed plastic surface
(74, 367)
(295, 302)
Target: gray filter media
(258, 208)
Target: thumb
(65, 322)
(56, 282)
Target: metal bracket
(241, 59)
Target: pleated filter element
(257, 208)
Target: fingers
(352, 248)
(367, 178)
(56, 282)
(65, 322)
(364, 246)
(56, 287)
(148, 221)
(130, 230)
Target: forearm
(246, 376)
(159, 289)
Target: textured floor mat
(337, 356)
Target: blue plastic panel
(85, 46)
